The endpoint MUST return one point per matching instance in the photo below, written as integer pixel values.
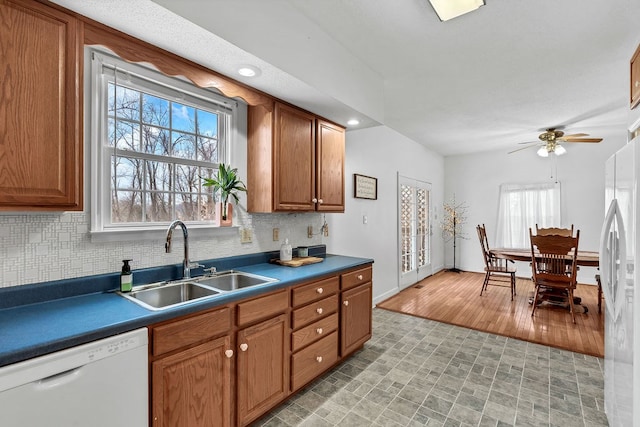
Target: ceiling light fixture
(353, 122)
(449, 9)
(249, 71)
(551, 147)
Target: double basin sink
(163, 295)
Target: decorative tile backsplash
(41, 247)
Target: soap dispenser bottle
(285, 251)
(126, 277)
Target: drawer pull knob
(319, 290)
(314, 200)
(319, 310)
(320, 201)
(319, 331)
(359, 276)
(244, 346)
(346, 303)
(229, 353)
(637, 83)
(319, 359)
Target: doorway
(414, 230)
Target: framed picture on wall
(365, 187)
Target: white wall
(381, 152)
(475, 180)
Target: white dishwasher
(103, 383)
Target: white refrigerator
(619, 277)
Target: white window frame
(536, 203)
(105, 67)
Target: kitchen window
(522, 206)
(154, 138)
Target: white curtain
(522, 206)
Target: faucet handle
(195, 265)
(210, 270)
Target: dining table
(584, 258)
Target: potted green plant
(226, 183)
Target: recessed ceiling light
(449, 9)
(353, 122)
(249, 71)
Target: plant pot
(224, 222)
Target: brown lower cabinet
(230, 365)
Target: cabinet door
(355, 320)
(193, 387)
(635, 78)
(294, 160)
(41, 150)
(262, 367)
(330, 167)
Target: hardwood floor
(454, 298)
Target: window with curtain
(522, 206)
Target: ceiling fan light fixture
(560, 150)
(543, 152)
(449, 9)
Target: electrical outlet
(326, 230)
(310, 231)
(246, 236)
(276, 234)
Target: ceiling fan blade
(520, 149)
(529, 142)
(582, 140)
(573, 135)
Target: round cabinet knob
(346, 303)
(320, 201)
(637, 83)
(319, 310)
(244, 346)
(319, 359)
(319, 331)
(314, 200)
(229, 353)
(359, 276)
(319, 290)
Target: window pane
(187, 178)
(159, 176)
(208, 149)
(158, 207)
(183, 145)
(127, 135)
(183, 117)
(127, 103)
(207, 124)
(155, 111)
(187, 207)
(155, 140)
(128, 173)
(126, 206)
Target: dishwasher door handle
(58, 379)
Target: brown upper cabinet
(40, 108)
(635, 79)
(295, 161)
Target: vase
(224, 222)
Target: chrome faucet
(186, 264)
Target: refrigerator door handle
(613, 259)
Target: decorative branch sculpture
(455, 216)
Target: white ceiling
(484, 81)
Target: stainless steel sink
(164, 295)
(231, 280)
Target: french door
(414, 230)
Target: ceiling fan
(551, 139)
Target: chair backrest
(484, 244)
(554, 257)
(554, 231)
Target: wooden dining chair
(498, 271)
(554, 230)
(554, 268)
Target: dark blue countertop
(41, 327)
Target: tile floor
(418, 372)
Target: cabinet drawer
(181, 333)
(357, 277)
(304, 315)
(315, 291)
(307, 364)
(262, 308)
(314, 332)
